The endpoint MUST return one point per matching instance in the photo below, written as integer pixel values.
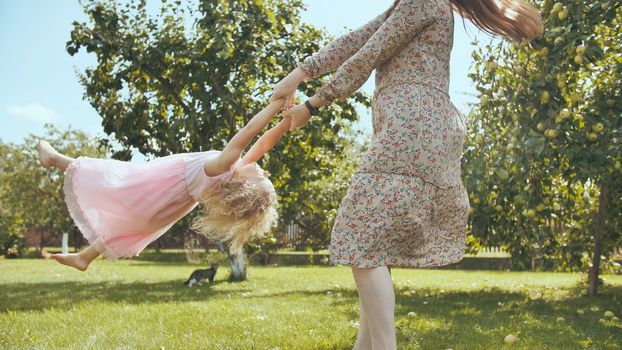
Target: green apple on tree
(563, 14)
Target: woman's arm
(326, 59)
(335, 53)
(407, 19)
(232, 152)
(267, 141)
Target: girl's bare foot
(47, 154)
(73, 260)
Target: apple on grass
(510, 339)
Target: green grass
(144, 305)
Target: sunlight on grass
(142, 304)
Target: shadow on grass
(66, 295)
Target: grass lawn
(144, 305)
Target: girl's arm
(232, 152)
(267, 141)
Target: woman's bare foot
(73, 260)
(47, 154)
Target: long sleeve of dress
(406, 20)
(331, 56)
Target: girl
(406, 206)
(121, 207)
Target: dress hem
(387, 262)
(79, 216)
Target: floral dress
(406, 205)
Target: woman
(406, 206)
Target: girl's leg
(377, 297)
(80, 261)
(363, 339)
(49, 157)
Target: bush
(13, 246)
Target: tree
(32, 195)
(547, 133)
(165, 88)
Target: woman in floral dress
(406, 205)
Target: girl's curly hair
(237, 211)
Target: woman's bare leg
(377, 296)
(49, 157)
(363, 339)
(80, 261)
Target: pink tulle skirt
(121, 207)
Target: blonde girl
(121, 207)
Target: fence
(290, 236)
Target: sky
(38, 77)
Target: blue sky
(39, 82)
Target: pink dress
(121, 207)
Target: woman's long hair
(515, 20)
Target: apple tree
(543, 162)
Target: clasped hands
(286, 89)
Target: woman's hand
(299, 115)
(286, 88)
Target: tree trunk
(598, 238)
(77, 244)
(238, 263)
(41, 238)
(238, 266)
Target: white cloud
(34, 112)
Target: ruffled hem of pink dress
(79, 215)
